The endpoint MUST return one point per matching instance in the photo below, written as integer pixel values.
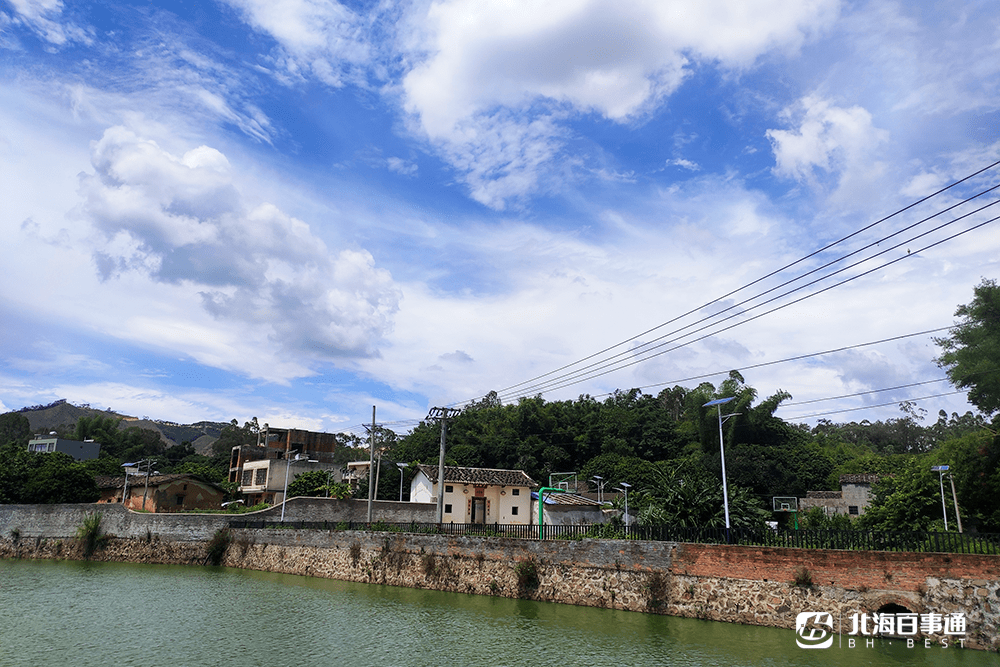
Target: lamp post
(941, 470)
(722, 449)
(401, 466)
(600, 487)
(624, 489)
(284, 494)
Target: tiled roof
(489, 476)
(567, 499)
(866, 478)
(824, 494)
(118, 481)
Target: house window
(448, 488)
(852, 510)
(447, 508)
(515, 492)
(260, 477)
(513, 511)
(247, 478)
(180, 499)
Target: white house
(476, 495)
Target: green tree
(971, 355)
(14, 429)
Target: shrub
(355, 551)
(89, 534)
(527, 575)
(429, 564)
(657, 588)
(218, 545)
(803, 577)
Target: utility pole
(442, 415)
(371, 464)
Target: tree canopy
(971, 354)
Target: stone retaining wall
(750, 585)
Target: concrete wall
(752, 585)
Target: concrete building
(264, 481)
(79, 450)
(854, 497)
(284, 443)
(476, 495)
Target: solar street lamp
(624, 487)
(284, 494)
(401, 466)
(600, 487)
(941, 470)
(722, 449)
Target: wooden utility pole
(371, 464)
(442, 415)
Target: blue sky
(298, 209)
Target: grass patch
(527, 575)
(89, 534)
(218, 545)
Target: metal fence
(856, 540)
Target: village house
(476, 495)
(854, 497)
(161, 493)
(569, 509)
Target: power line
(864, 393)
(508, 390)
(869, 407)
(795, 358)
(576, 378)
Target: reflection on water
(82, 614)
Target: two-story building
(476, 495)
(81, 450)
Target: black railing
(855, 540)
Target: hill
(63, 416)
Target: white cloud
(319, 38)
(182, 221)
(496, 78)
(44, 17)
(840, 142)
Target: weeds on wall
(89, 534)
(355, 552)
(803, 577)
(428, 563)
(15, 534)
(218, 545)
(527, 575)
(657, 590)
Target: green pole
(541, 501)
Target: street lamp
(284, 494)
(941, 470)
(600, 487)
(401, 466)
(725, 489)
(624, 489)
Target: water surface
(72, 613)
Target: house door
(479, 510)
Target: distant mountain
(45, 418)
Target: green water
(111, 614)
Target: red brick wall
(847, 569)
